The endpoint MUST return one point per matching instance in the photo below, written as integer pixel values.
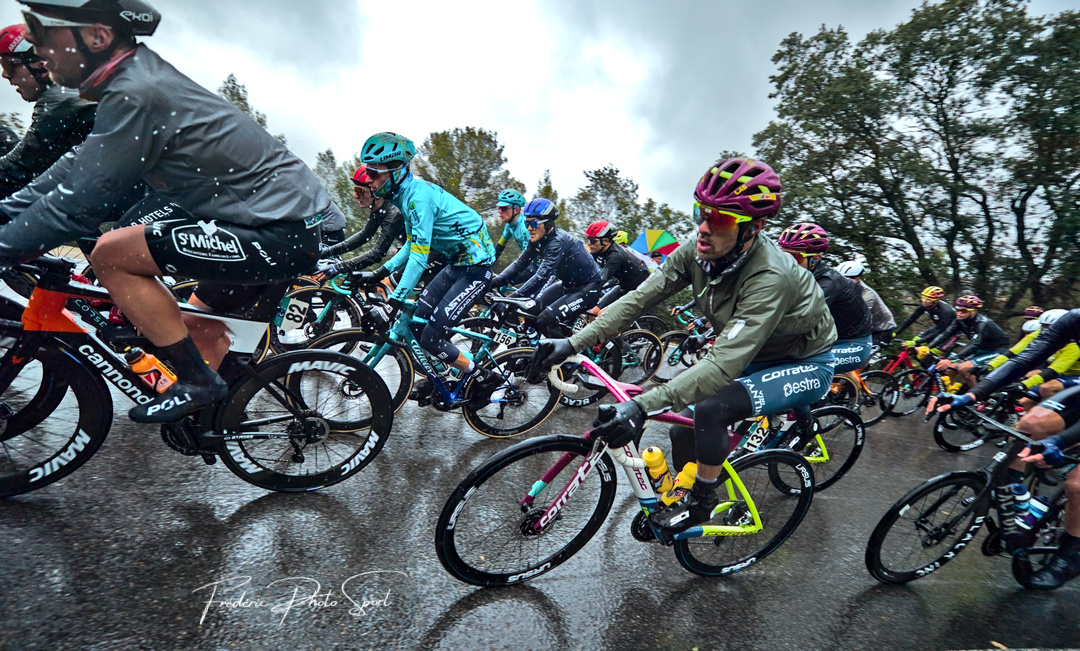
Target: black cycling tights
(562, 306)
(445, 300)
(707, 442)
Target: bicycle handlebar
(557, 382)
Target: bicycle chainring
(180, 437)
(640, 529)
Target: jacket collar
(94, 87)
(732, 268)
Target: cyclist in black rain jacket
(622, 271)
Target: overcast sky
(657, 89)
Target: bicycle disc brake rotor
(529, 520)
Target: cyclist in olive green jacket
(773, 348)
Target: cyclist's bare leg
(461, 363)
(964, 371)
(124, 266)
(210, 336)
(1038, 423)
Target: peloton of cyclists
(939, 311)
(622, 271)
(986, 340)
(883, 322)
(773, 350)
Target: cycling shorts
(1065, 404)
(1068, 381)
(562, 306)
(779, 386)
(330, 238)
(231, 253)
(445, 301)
(982, 357)
(851, 354)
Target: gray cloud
(311, 36)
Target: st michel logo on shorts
(206, 241)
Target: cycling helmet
(805, 237)
(360, 176)
(391, 151)
(13, 43)
(511, 197)
(969, 302)
(621, 238)
(1050, 316)
(541, 209)
(851, 268)
(1033, 311)
(132, 17)
(601, 229)
(1031, 325)
(743, 185)
(933, 292)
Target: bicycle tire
(843, 442)
(483, 518)
(842, 393)
(780, 515)
(344, 313)
(395, 369)
(610, 359)
(911, 518)
(912, 391)
(873, 408)
(640, 356)
(40, 441)
(954, 435)
(653, 324)
(674, 359)
(352, 421)
(536, 401)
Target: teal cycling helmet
(511, 197)
(392, 152)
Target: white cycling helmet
(1050, 316)
(1031, 325)
(851, 268)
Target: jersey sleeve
(549, 264)
(419, 224)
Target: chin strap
(93, 61)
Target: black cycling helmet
(131, 17)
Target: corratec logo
(206, 241)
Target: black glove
(695, 343)
(497, 283)
(620, 423)
(548, 353)
(372, 277)
(395, 303)
(498, 310)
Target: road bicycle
(681, 349)
(296, 422)
(531, 507)
(872, 394)
(514, 408)
(934, 522)
(957, 430)
(914, 389)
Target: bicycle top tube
(621, 390)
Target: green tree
(236, 94)
(337, 180)
(13, 121)
(467, 163)
(607, 195)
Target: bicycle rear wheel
(517, 406)
(780, 514)
(875, 405)
(926, 528)
(640, 356)
(653, 324)
(54, 416)
(957, 431)
(312, 313)
(913, 390)
(395, 368)
(674, 358)
(344, 417)
(837, 442)
(490, 533)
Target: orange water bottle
(659, 475)
(150, 369)
(683, 483)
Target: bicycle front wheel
(640, 356)
(926, 528)
(913, 390)
(493, 530)
(328, 414)
(779, 512)
(517, 406)
(958, 431)
(395, 368)
(876, 405)
(311, 313)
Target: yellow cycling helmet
(933, 293)
(620, 238)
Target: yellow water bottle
(683, 483)
(659, 476)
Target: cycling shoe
(178, 401)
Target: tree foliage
(941, 151)
(467, 163)
(236, 94)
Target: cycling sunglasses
(37, 24)
(532, 224)
(800, 253)
(964, 310)
(719, 220)
(594, 240)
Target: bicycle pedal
(208, 459)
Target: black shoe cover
(485, 383)
(1061, 569)
(694, 509)
(178, 401)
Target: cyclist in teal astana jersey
(773, 349)
(435, 221)
(510, 205)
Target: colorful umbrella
(650, 241)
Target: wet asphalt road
(145, 549)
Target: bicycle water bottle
(1037, 508)
(683, 483)
(659, 476)
(150, 369)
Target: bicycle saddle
(526, 305)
